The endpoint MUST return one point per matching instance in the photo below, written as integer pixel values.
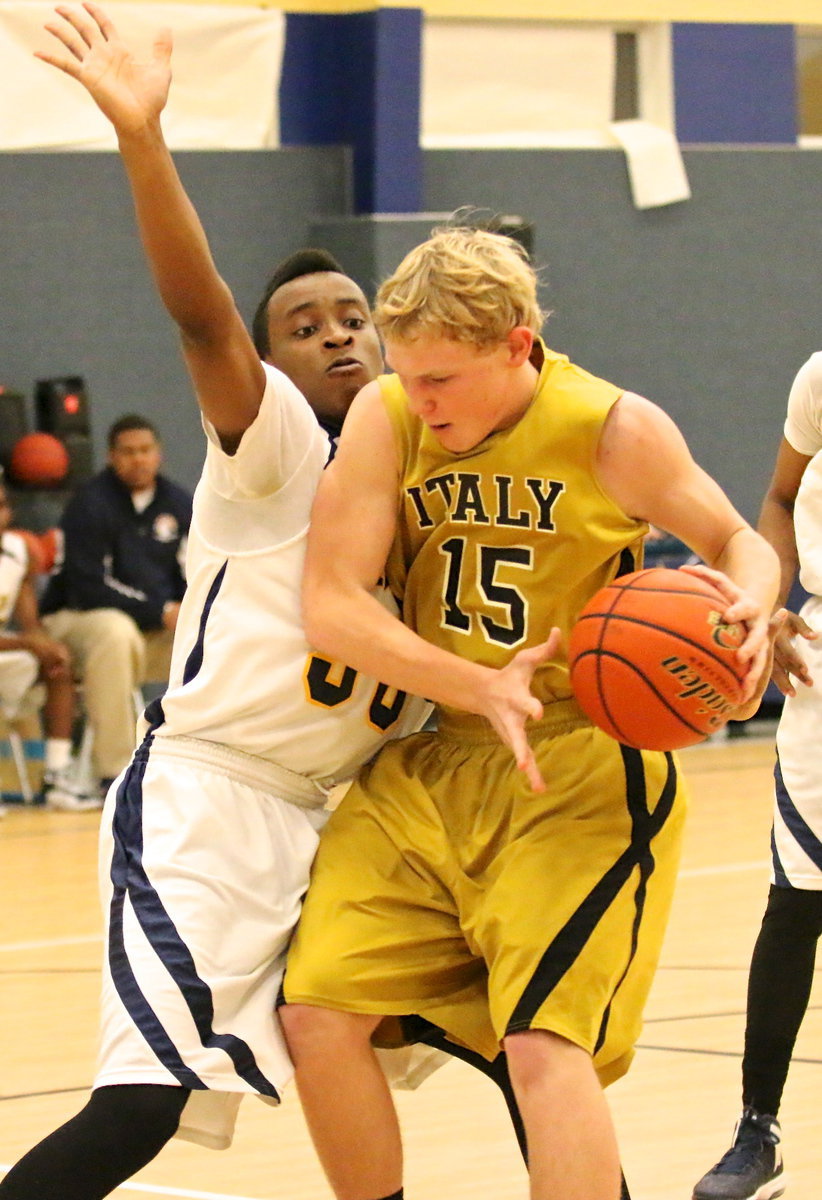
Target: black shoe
(752, 1168)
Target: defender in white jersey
(28, 655)
(19, 668)
(230, 784)
(240, 653)
(209, 833)
(782, 965)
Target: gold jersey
(498, 544)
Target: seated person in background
(115, 597)
(29, 654)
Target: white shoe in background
(61, 791)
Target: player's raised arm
(644, 464)
(352, 526)
(226, 371)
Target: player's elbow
(320, 616)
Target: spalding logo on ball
(652, 661)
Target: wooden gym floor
(675, 1110)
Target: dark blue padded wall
(735, 83)
(354, 78)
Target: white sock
(58, 753)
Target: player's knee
(537, 1056)
(147, 1113)
(793, 912)
(310, 1030)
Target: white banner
(514, 83)
(226, 67)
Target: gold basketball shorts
(445, 887)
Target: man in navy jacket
(114, 598)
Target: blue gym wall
(708, 307)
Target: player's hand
(509, 704)
(743, 609)
(787, 661)
(775, 628)
(130, 93)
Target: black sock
(779, 987)
(120, 1130)
(394, 1196)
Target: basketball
(653, 663)
(39, 460)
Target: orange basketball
(39, 460)
(653, 663)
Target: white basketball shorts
(203, 867)
(797, 828)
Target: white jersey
(19, 669)
(242, 673)
(803, 423)
(797, 828)
(14, 564)
(803, 429)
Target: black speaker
(13, 423)
(61, 406)
(81, 458)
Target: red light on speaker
(71, 403)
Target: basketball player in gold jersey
(516, 907)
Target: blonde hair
(465, 284)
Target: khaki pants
(112, 657)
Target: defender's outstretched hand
(788, 663)
(130, 93)
(510, 704)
